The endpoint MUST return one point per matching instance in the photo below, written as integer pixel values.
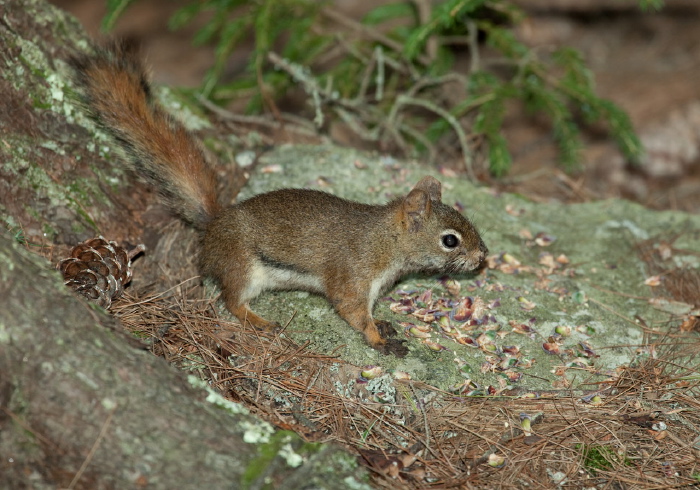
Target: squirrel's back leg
(246, 315)
(232, 292)
(230, 266)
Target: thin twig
(474, 59)
(93, 449)
(369, 33)
(425, 11)
(402, 100)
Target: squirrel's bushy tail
(117, 94)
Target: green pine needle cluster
(597, 458)
(387, 76)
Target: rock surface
(593, 292)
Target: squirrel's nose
(480, 256)
(483, 248)
(483, 251)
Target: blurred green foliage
(368, 73)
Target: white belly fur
(266, 278)
(380, 283)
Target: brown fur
(285, 239)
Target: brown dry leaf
(525, 234)
(690, 323)
(653, 281)
(513, 211)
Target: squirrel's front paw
(385, 328)
(395, 347)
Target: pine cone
(98, 270)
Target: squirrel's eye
(450, 241)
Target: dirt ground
(648, 63)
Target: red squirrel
(288, 239)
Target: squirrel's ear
(431, 186)
(416, 209)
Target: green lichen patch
(284, 446)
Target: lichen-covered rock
(563, 297)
